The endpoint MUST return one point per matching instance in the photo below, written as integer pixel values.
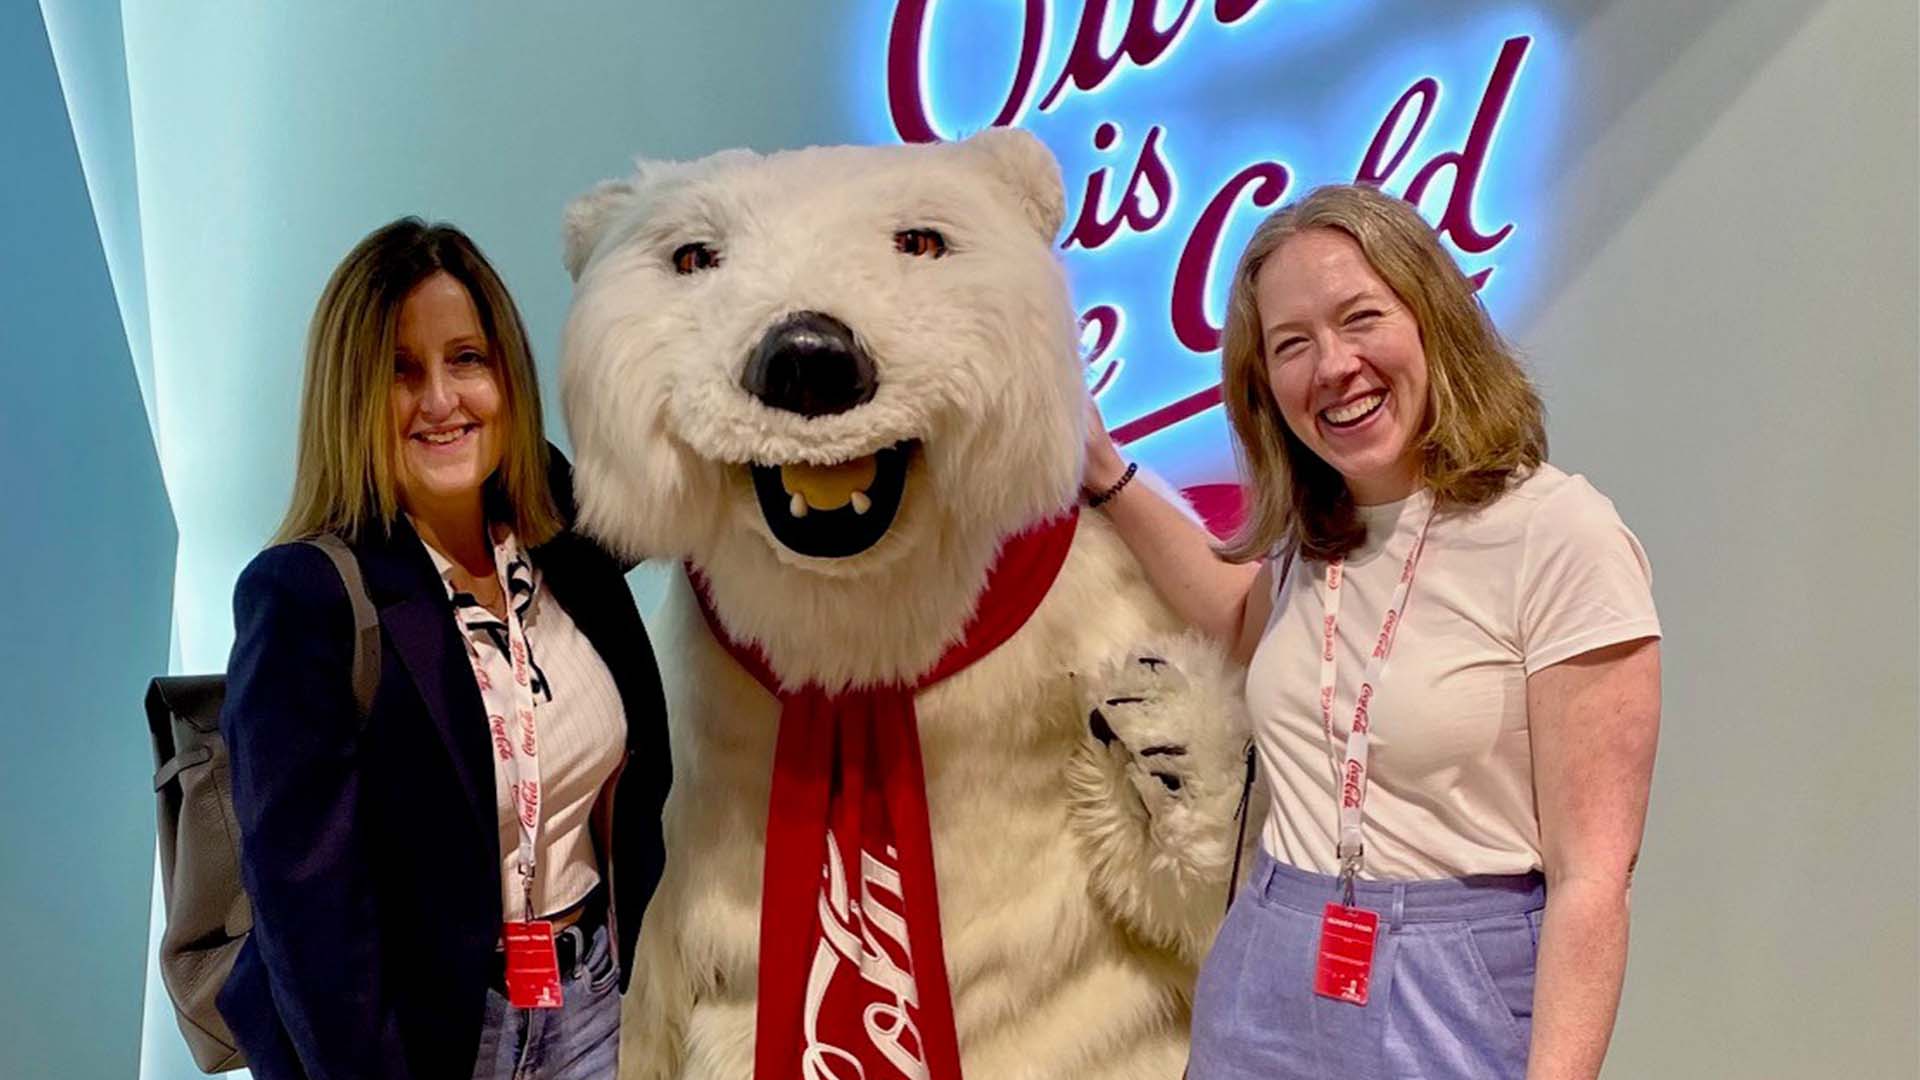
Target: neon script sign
(1137, 240)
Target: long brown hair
(344, 477)
(1483, 420)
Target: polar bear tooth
(861, 504)
(829, 487)
(798, 507)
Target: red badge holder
(1346, 953)
(1347, 936)
(533, 967)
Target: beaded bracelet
(1107, 495)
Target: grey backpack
(208, 914)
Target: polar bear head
(835, 379)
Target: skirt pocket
(1503, 951)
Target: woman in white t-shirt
(1445, 895)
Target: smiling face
(1345, 362)
(446, 401)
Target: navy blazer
(371, 850)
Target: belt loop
(579, 938)
(1399, 905)
(1263, 874)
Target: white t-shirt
(1544, 573)
(582, 726)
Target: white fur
(1076, 893)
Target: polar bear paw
(1157, 784)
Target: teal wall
(88, 598)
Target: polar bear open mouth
(833, 511)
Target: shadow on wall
(1698, 57)
(90, 552)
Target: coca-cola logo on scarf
(862, 967)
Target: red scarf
(851, 967)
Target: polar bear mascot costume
(950, 792)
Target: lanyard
(1352, 778)
(514, 738)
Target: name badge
(1346, 953)
(533, 968)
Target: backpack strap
(366, 622)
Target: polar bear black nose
(809, 363)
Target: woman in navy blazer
(373, 849)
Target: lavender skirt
(1451, 992)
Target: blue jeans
(1451, 995)
(579, 1041)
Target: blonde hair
(1483, 419)
(344, 475)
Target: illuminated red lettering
(1142, 43)
(1372, 170)
(1456, 221)
(1266, 181)
(1104, 321)
(906, 100)
(1151, 179)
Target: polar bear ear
(1022, 160)
(591, 216)
(588, 218)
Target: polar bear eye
(694, 257)
(920, 242)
